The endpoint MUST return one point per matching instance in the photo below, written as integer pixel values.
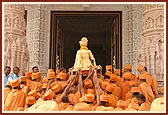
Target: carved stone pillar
(153, 40)
(133, 34)
(15, 49)
(37, 35)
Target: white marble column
(37, 32)
(153, 40)
(133, 32)
(15, 45)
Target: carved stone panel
(15, 49)
(151, 52)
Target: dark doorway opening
(103, 30)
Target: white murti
(84, 57)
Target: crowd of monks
(85, 90)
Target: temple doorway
(103, 30)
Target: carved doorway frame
(116, 37)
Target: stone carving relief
(151, 51)
(149, 23)
(133, 30)
(15, 53)
(160, 55)
(7, 21)
(160, 21)
(37, 35)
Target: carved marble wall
(39, 15)
(151, 53)
(15, 45)
(132, 34)
(37, 35)
(142, 34)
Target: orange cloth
(14, 83)
(135, 100)
(45, 85)
(81, 107)
(6, 92)
(113, 100)
(28, 74)
(33, 93)
(24, 88)
(69, 108)
(109, 88)
(82, 99)
(140, 68)
(108, 73)
(104, 98)
(144, 107)
(151, 81)
(30, 100)
(28, 82)
(147, 92)
(100, 81)
(128, 95)
(117, 71)
(88, 83)
(45, 80)
(62, 106)
(128, 66)
(49, 94)
(125, 87)
(133, 105)
(108, 67)
(104, 84)
(113, 77)
(50, 70)
(70, 97)
(58, 98)
(20, 109)
(162, 90)
(35, 75)
(57, 71)
(116, 91)
(36, 85)
(119, 81)
(51, 75)
(134, 79)
(77, 96)
(56, 88)
(23, 79)
(135, 89)
(127, 75)
(15, 99)
(90, 91)
(44, 106)
(89, 97)
(62, 76)
(62, 83)
(122, 104)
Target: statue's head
(83, 42)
